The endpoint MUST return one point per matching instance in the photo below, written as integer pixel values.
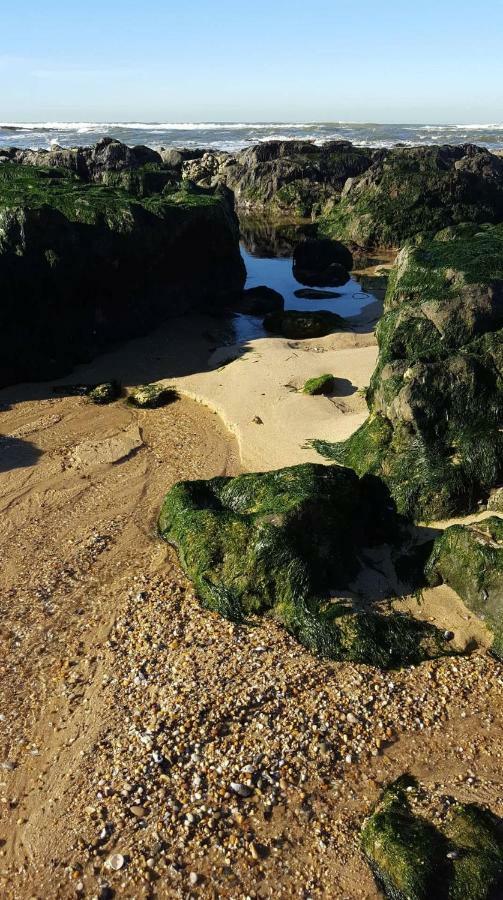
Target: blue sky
(280, 60)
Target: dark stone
(298, 325)
(257, 301)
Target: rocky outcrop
(415, 852)
(82, 265)
(277, 542)
(436, 397)
(284, 177)
(469, 558)
(417, 190)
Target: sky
(264, 60)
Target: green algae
(414, 859)
(102, 394)
(469, 558)
(322, 384)
(277, 542)
(298, 325)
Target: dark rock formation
(418, 190)
(412, 858)
(151, 396)
(469, 558)
(257, 301)
(82, 265)
(277, 541)
(322, 263)
(436, 397)
(297, 325)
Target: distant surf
(237, 135)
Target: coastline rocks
(105, 393)
(436, 395)
(298, 325)
(82, 265)
(278, 542)
(417, 190)
(322, 263)
(260, 300)
(469, 558)
(415, 855)
(288, 177)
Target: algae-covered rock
(297, 325)
(83, 264)
(151, 396)
(495, 502)
(436, 396)
(417, 190)
(101, 394)
(278, 541)
(469, 558)
(414, 859)
(322, 384)
(284, 177)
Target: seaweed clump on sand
(469, 558)
(151, 396)
(436, 396)
(322, 384)
(277, 542)
(459, 857)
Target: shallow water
(277, 273)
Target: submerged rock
(82, 265)
(413, 859)
(436, 397)
(322, 263)
(322, 384)
(297, 325)
(257, 301)
(469, 558)
(151, 396)
(418, 190)
(278, 542)
(313, 294)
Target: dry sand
(127, 710)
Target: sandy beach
(128, 710)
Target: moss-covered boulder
(436, 396)
(469, 558)
(292, 323)
(418, 190)
(278, 542)
(151, 396)
(324, 263)
(82, 264)
(413, 859)
(322, 384)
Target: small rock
(257, 420)
(139, 811)
(193, 878)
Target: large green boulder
(414, 859)
(417, 190)
(279, 542)
(435, 398)
(83, 264)
(469, 558)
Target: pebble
(115, 862)
(139, 811)
(193, 878)
(242, 790)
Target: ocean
(234, 136)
